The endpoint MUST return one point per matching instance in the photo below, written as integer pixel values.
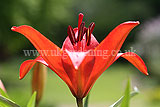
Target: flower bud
(38, 80)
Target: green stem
(79, 102)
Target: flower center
(77, 41)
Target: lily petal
(40, 42)
(86, 68)
(70, 70)
(111, 46)
(28, 64)
(78, 74)
(135, 60)
(43, 45)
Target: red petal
(43, 45)
(85, 69)
(70, 70)
(77, 71)
(135, 60)
(27, 65)
(109, 47)
(48, 50)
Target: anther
(71, 34)
(91, 27)
(88, 37)
(81, 32)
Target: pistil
(80, 18)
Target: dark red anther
(71, 35)
(91, 27)
(89, 32)
(81, 32)
(88, 37)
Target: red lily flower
(81, 60)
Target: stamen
(80, 20)
(81, 32)
(91, 27)
(88, 37)
(89, 32)
(71, 35)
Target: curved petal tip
(13, 28)
(134, 59)
(133, 22)
(20, 77)
(146, 73)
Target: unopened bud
(38, 80)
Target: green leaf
(86, 101)
(3, 104)
(7, 102)
(126, 99)
(32, 100)
(132, 94)
(3, 93)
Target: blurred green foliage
(52, 17)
